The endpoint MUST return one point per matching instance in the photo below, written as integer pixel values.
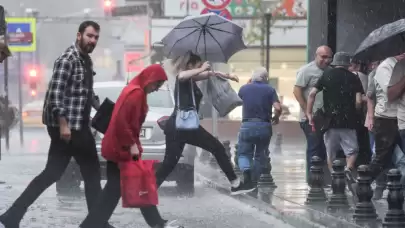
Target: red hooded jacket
(128, 116)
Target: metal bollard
(364, 212)
(395, 216)
(338, 199)
(204, 156)
(277, 144)
(236, 168)
(316, 192)
(266, 179)
(227, 146)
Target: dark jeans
(175, 142)
(253, 142)
(315, 144)
(365, 153)
(82, 148)
(386, 138)
(108, 201)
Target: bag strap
(178, 93)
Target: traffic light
(33, 73)
(108, 4)
(33, 78)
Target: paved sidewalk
(289, 173)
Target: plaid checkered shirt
(67, 92)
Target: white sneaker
(1, 225)
(171, 224)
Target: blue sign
(26, 26)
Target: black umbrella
(386, 41)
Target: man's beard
(87, 48)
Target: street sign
(20, 38)
(216, 4)
(130, 10)
(223, 12)
(22, 34)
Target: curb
(310, 219)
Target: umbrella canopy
(386, 41)
(210, 36)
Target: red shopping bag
(138, 184)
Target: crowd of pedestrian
(355, 108)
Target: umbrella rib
(220, 30)
(198, 41)
(222, 50)
(187, 27)
(219, 23)
(205, 43)
(195, 30)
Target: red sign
(223, 12)
(216, 4)
(20, 38)
(134, 62)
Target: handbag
(138, 184)
(187, 119)
(102, 118)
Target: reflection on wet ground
(206, 208)
(289, 173)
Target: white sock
(235, 183)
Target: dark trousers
(175, 142)
(315, 147)
(108, 201)
(364, 156)
(82, 148)
(386, 138)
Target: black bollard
(266, 179)
(278, 143)
(365, 210)
(395, 216)
(227, 146)
(236, 168)
(204, 156)
(316, 192)
(338, 199)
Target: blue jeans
(315, 144)
(254, 140)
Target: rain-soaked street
(208, 208)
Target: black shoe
(245, 186)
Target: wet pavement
(208, 208)
(289, 173)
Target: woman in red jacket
(121, 143)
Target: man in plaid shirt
(66, 113)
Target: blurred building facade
(124, 41)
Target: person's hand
(369, 124)
(134, 151)
(275, 120)
(310, 119)
(65, 133)
(233, 77)
(206, 66)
